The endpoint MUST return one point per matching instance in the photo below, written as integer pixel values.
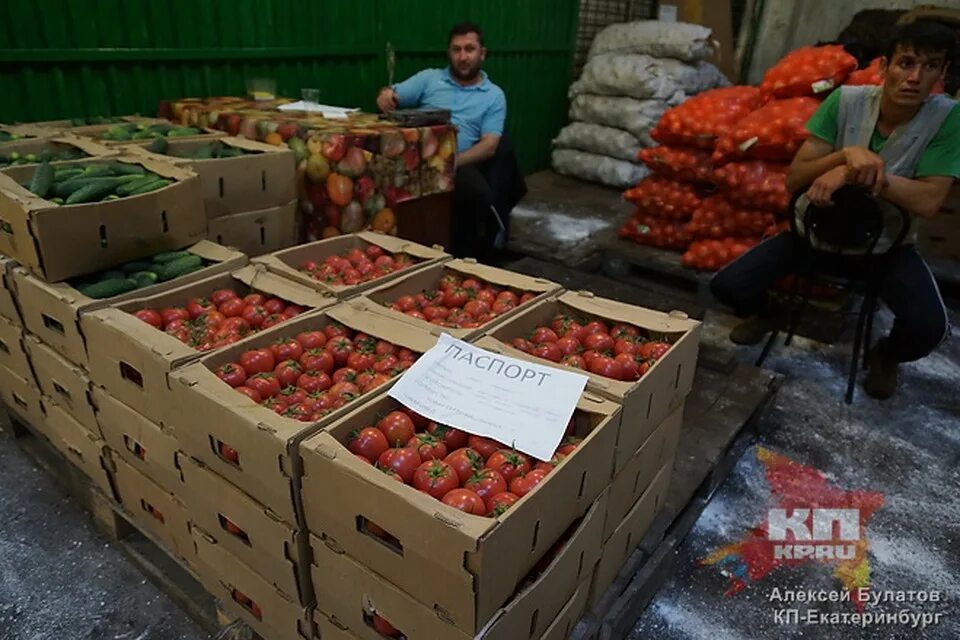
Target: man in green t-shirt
(896, 143)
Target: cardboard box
(262, 179)
(647, 401)
(428, 278)
(62, 142)
(67, 123)
(77, 444)
(24, 131)
(565, 621)
(460, 565)
(59, 242)
(22, 397)
(255, 534)
(351, 592)
(288, 262)
(132, 359)
(327, 629)
(64, 383)
(51, 311)
(8, 304)
(640, 470)
(144, 445)
(96, 131)
(211, 413)
(13, 354)
(155, 510)
(257, 232)
(241, 592)
(630, 532)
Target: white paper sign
(519, 403)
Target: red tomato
(419, 422)
(233, 374)
(595, 326)
(500, 307)
(257, 361)
(548, 351)
(465, 500)
(255, 299)
(375, 251)
(597, 341)
(266, 384)
(344, 374)
(384, 628)
(544, 334)
(401, 460)
(569, 345)
(377, 380)
(287, 372)
(253, 314)
(196, 306)
(294, 395)
(386, 364)
(486, 447)
(508, 297)
(287, 349)
(368, 442)
(335, 329)
(509, 463)
(361, 361)
(250, 393)
(522, 344)
(486, 483)
(429, 446)
(574, 360)
(653, 350)
(433, 312)
(526, 297)
(340, 348)
(302, 412)
(237, 325)
(628, 367)
(455, 297)
(220, 296)
(344, 390)
(551, 464)
(448, 281)
(477, 308)
(624, 345)
(606, 367)
(563, 323)
(151, 317)
(317, 360)
(272, 320)
(465, 461)
(233, 307)
(228, 453)
(169, 314)
(415, 314)
(621, 330)
(436, 478)
(397, 426)
(211, 318)
(291, 311)
(312, 339)
(451, 437)
(522, 485)
(500, 502)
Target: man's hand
(821, 191)
(864, 167)
(387, 99)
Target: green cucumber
(151, 186)
(124, 169)
(159, 145)
(42, 180)
(111, 274)
(67, 187)
(180, 266)
(97, 171)
(140, 181)
(182, 131)
(93, 192)
(135, 266)
(109, 288)
(144, 278)
(61, 175)
(170, 256)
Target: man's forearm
(917, 197)
(802, 173)
(479, 152)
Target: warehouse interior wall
(73, 58)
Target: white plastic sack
(644, 77)
(596, 138)
(597, 168)
(680, 40)
(636, 116)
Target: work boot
(881, 380)
(754, 329)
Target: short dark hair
(463, 28)
(924, 36)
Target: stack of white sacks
(635, 71)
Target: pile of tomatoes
(717, 218)
(755, 184)
(710, 255)
(700, 120)
(773, 132)
(619, 352)
(220, 319)
(465, 303)
(686, 164)
(799, 72)
(471, 473)
(307, 376)
(655, 232)
(356, 266)
(664, 198)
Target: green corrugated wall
(71, 58)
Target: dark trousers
(474, 225)
(905, 285)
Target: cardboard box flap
(502, 277)
(394, 244)
(163, 347)
(357, 314)
(673, 322)
(85, 144)
(257, 276)
(30, 130)
(214, 252)
(159, 167)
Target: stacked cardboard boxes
(249, 192)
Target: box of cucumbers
(137, 132)
(70, 218)
(51, 150)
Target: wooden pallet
(721, 421)
(165, 571)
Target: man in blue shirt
(478, 109)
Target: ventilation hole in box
(225, 452)
(263, 180)
(244, 601)
(536, 534)
(220, 182)
(59, 389)
(163, 219)
(4, 347)
(676, 383)
(53, 324)
(231, 527)
(103, 236)
(533, 622)
(20, 401)
(583, 481)
(263, 236)
(134, 447)
(153, 511)
(378, 533)
(580, 564)
(127, 372)
(636, 481)
(649, 405)
(566, 629)
(628, 548)
(219, 238)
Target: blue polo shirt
(476, 110)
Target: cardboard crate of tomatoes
(347, 265)
(457, 530)
(642, 359)
(134, 345)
